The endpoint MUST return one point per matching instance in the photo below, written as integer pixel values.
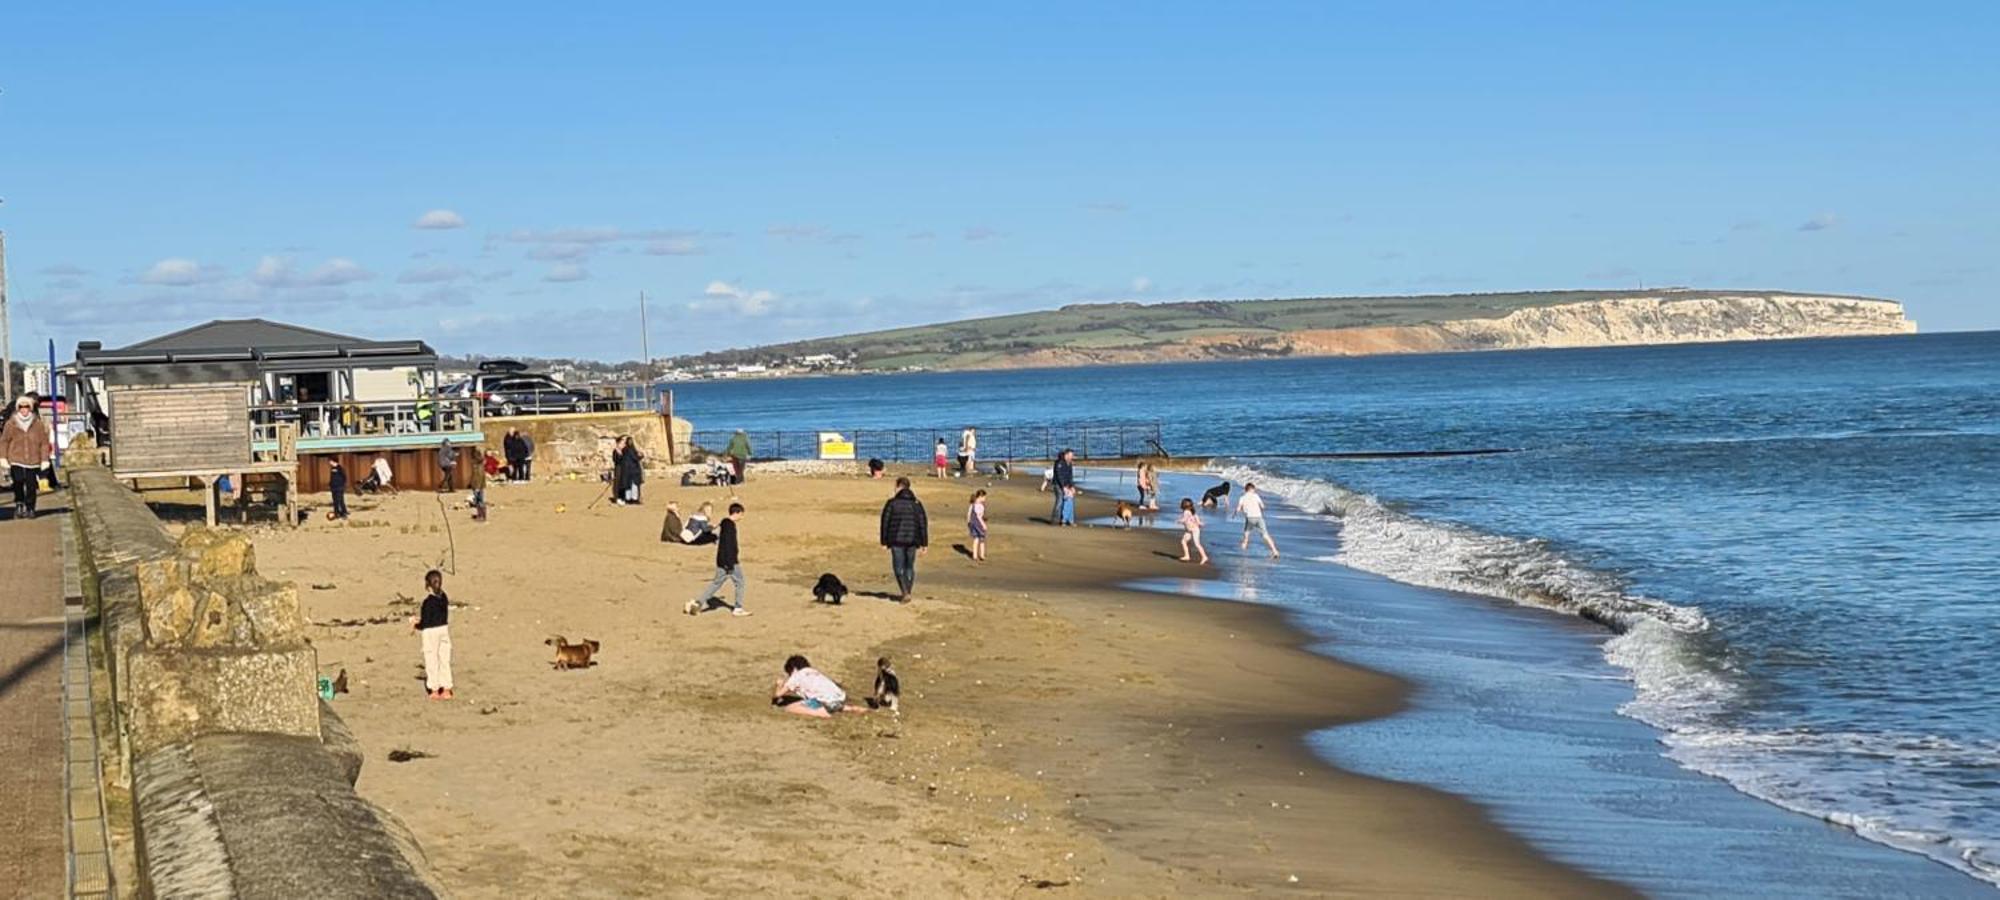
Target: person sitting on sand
(697, 530)
(670, 528)
(380, 477)
(807, 692)
(1191, 531)
(875, 467)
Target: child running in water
(975, 523)
(433, 625)
(1191, 531)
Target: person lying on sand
(806, 692)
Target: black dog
(829, 589)
(888, 688)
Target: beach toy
(561, 508)
(326, 688)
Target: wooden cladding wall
(172, 429)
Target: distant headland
(1113, 333)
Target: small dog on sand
(888, 689)
(829, 589)
(1124, 514)
(573, 656)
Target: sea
(1725, 620)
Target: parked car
(507, 389)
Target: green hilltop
(1127, 328)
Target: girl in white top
(1191, 531)
(811, 693)
(968, 452)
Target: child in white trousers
(433, 624)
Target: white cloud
(439, 220)
(564, 272)
(278, 272)
(1108, 206)
(1141, 284)
(980, 233)
(177, 272)
(673, 247)
(1820, 222)
(747, 303)
(436, 273)
(65, 270)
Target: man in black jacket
(906, 531)
(510, 447)
(1065, 481)
(727, 567)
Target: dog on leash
(888, 688)
(573, 656)
(829, 589)
(1125, 512)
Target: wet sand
(1058, 733)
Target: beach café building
(251, 395)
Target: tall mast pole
(6, 336)
(645, 341)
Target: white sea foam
(1683, 682)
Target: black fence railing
(1090, 440)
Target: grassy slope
(974, 341)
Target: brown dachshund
(573, 656)
(1125, 510)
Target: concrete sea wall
(242, 781)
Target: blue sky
(793, 171)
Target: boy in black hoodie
(727, 566)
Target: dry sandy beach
(1059, 734)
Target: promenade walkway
(33, 857)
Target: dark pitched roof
(232, 333)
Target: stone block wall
(581, 442)
(242, 780)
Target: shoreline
(1056, 724)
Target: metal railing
(425, 415)
(1090, 440)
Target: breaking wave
(1684, 683)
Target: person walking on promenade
(975, 524)
(433, 623)
(1065, 482)
(24, 451)
(728, 567)
(447, 462)
(906, 531)
(1251, 506)
(968, 451)
(337, 483)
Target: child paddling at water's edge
(1191, 531)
